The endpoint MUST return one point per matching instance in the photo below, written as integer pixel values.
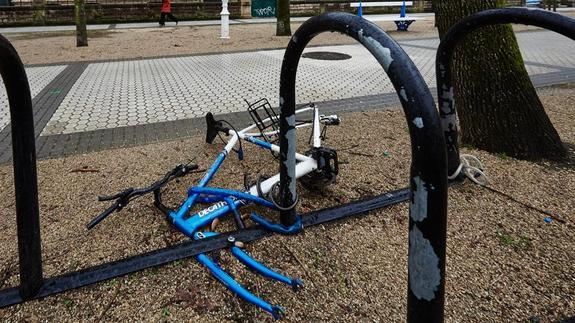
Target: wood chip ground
(504, 262)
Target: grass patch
(503, 156)
(68, 302)
(468, 146)
(178, 263)
(112, 282)
(517, 243)
(152, 272)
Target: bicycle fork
(275, 310)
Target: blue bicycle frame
(227, 201)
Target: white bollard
(225, 22)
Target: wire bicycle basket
(265, 118)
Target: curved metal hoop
(540, 18)
(25, 179)
(428, 209)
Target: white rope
(472, 168)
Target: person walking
(166, 11)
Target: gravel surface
(55, 47)
(504, 263)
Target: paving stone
(125, 102)
(38, 78)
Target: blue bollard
(402, 13)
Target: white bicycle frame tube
(316, 130)
(306, 164)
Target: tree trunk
(283, 18)
(39, 15)
(551, 4)
(81, 32)
(498, 107)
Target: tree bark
(498, 108)
(283, 18)
(555, 5)
(551, 4)
(39, 16)
(81, 31)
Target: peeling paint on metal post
(418, 207)
(552, 21)
(418, 122)
(382, 54)
(428, 211)
(425, 279)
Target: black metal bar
(428, 184)
(191, 248)
(25, 178)
(540, 18)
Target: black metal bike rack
(427, 192)
(428, 184)
(32, 283)
(540, 18)
(25, 178)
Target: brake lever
(183, 170)
(121, 198)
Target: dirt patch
(55, 34)
(504, 262)
(154, 42)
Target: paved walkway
(81, 107)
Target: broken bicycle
(316, 168)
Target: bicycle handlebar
(127, 191)
(102, 216)
(127, 195)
